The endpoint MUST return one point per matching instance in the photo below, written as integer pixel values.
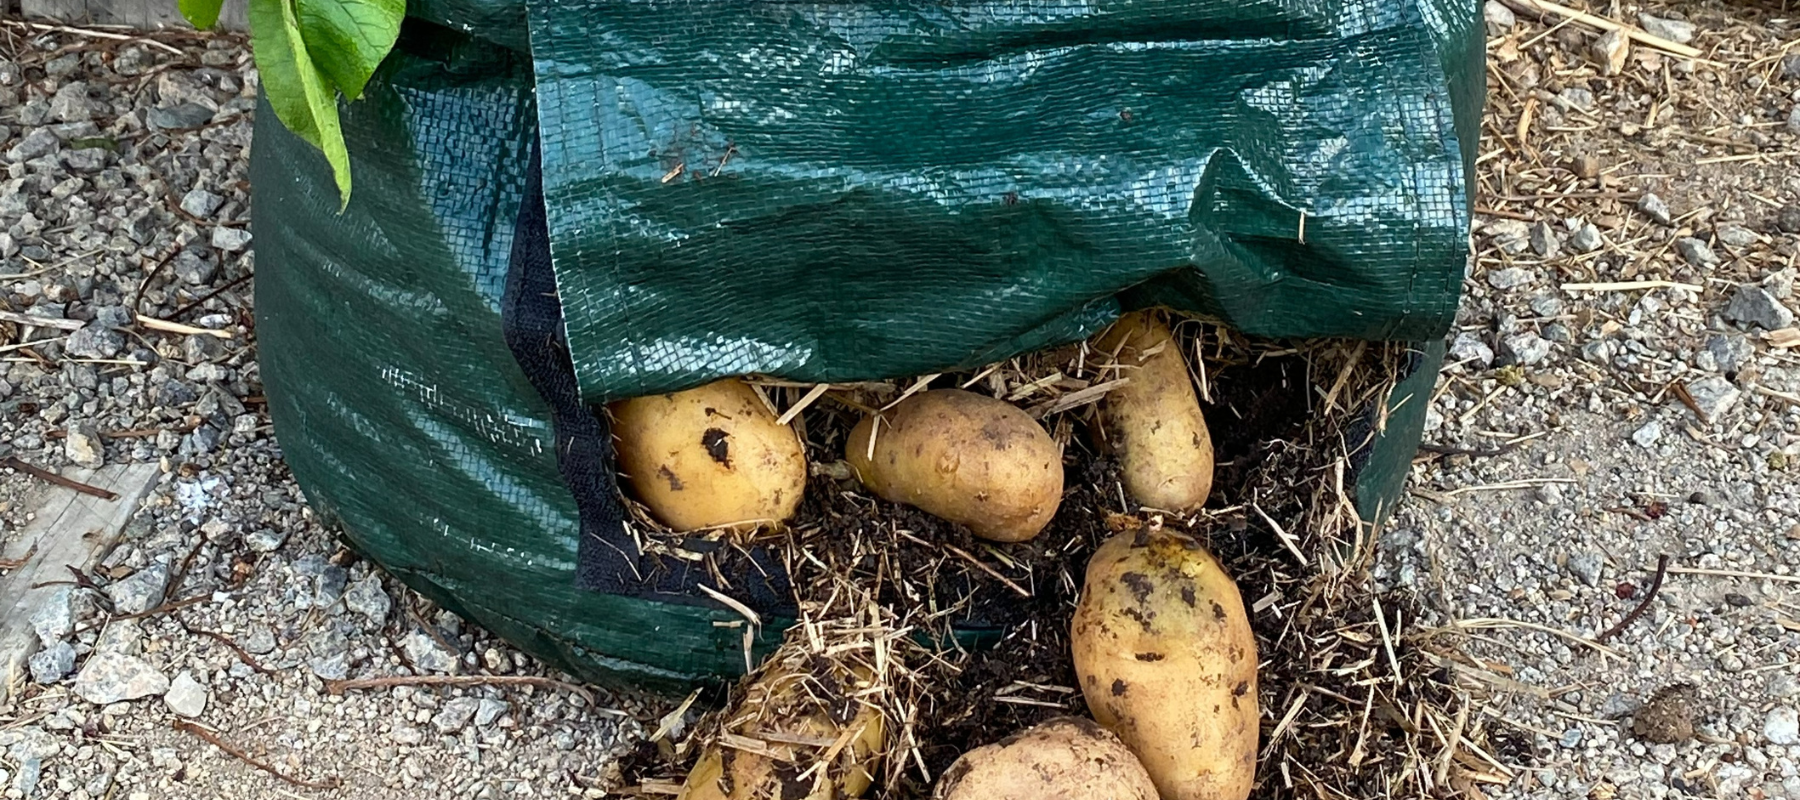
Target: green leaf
(303, 98)
(349, 38)
(202, 14)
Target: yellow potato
(1154, 422)
(1060, 759)
(780, 703)
(965, 457)
(1166, 659)
(709, 457)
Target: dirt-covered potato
(1065, 758)
(1166, 659)
(1153, 422)
(780, 731)
(966, 457)
(710, 456)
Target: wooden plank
(70, 530)
(139, 14)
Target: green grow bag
(818, 192)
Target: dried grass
(1353, 707)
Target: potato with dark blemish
(1064, 758)
(1153, 423)
(965, 457)
(1166, 660)
(713, 456)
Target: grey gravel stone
(55, 617)
(1782, 726)
(1714, 395)
(265, 540)
(36, 144)
(1510, 278)
(140, 590)
(1736, 235)
(82, 445)
(1546, 305)
(1654, 208)
(201, 203)
(53, 663)
(230, 240)
(71, 103)
(1586, 566)
(1787, 219)
(1646, 435)
(330, 654)
(1498, 17)
(1754, 305)
(1525, 349)
(1468, 347)
(1544, 240)
(178, 117)
(109, 678)
(1586, 239)
(94, 341)
(1695, 252)
(426, 654)
(366, 597)
(196, 266)
(1599, 351)
(1674, 30)
(1730, 351)
(186, 696)
(260, 641)
(455, 714)
(488, 710)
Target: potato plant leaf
(202, 14)
(307, 51)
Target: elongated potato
(780, 703)
(710, 456)
(1154, 422)
(965, 457)
(1065, 758)
(1166, 660)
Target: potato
(709, 457)
(1154, 422)
(1064, 758)
(1166, 660)
(780, 703)
(965, 457)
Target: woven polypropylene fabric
(842, 191)
(397, 402)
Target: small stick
(1733, 573)
(1627, 286)
(242, 654)
(1662, 569)
(15, 563)
(47, 476)
(966, 556)
(175, 327)
(212, 739)
(339, 687)
(41, 322)
(1543, 7)
(167, 607)
(212, 294)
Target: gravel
(1600, 465)
(186, 696)
(1754, 305)
(111, 677)
(225, 522)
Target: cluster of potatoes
(1161, 642)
